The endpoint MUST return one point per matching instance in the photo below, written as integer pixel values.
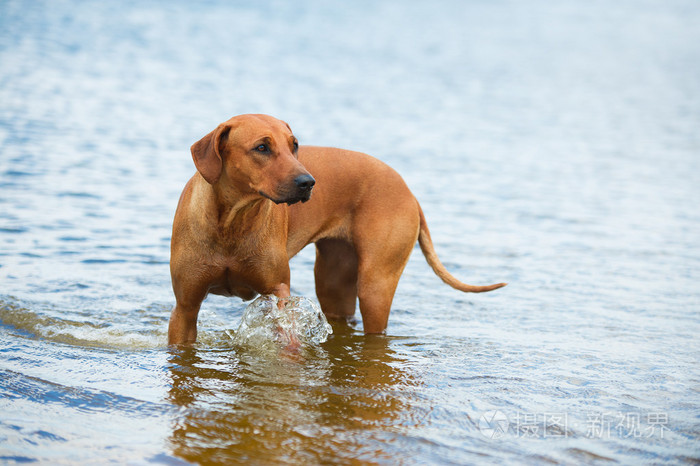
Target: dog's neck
(247, 217)
(239, 212)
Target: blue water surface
(552, 145)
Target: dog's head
(256, 154)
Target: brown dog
(244, 214)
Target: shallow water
(552, 146)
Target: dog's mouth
(296, 190)
(289, 200)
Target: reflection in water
(343, 400)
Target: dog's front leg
(182, 328)
(190, 290)
(281, 291)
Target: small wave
(103, 261)
(78, 194)
(14, 386)
(31, 324)
(14, 229)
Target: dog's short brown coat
(249, 209)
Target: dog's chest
(231, 282)
(250, 277)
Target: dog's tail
(426, 245)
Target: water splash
(270, 322)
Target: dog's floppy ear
(206, 155)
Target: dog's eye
(262, 148)
(296, 145)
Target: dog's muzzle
(299, 191)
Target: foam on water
(271, 323)
(101, 334)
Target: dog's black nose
(305, 182)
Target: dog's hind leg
(336, 278)
(380, 265)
